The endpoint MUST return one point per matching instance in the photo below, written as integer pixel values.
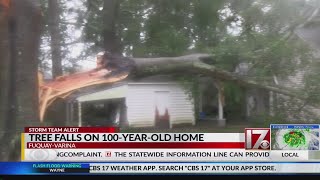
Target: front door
(162, 116)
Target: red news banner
(98, 137)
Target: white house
(150, 102)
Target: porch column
(200, 99)
(200, 114)
(221, 119)
(79, 114)
(67, 113)
(71, 113)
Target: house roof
(106, 88)
(63, 86)
(156, 78)
(309, 31)
(111, 93)
(93, 89)
(87, 86)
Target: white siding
(182, 107)
(296, 80)
(140, 103)
(140, 107)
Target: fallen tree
(194, 64)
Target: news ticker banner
(277, 137)
(107, 144)
(166, 155)
(145, 168)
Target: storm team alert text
(53, 130)
(115, 137)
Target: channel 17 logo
(257, 138)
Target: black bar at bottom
(62, 170)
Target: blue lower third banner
(143, 168)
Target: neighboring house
(310, 33)
(295, 110)
(150, 102)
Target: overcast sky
(76, 33)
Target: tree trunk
(56, 37)
(110, 18)
(22, 97)
(194, 64)
(4, 67)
